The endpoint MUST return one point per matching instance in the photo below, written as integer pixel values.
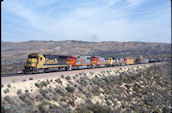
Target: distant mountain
(14, 52)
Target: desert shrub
(37, 84)
(80, 88)
(22, 96)
(83, 81)
(93, 109)
(58, 81)
(19, 92)
(13, 81)
(55, 97)
(2, 85)
(7, 98)
(62, 76)
(91, 73)
(39, 98)
(133, 77)
(70, 89)
(68, 78)
(26, 91)
(43, 83)
(9, 85)
(156, 110)
(44, 106)
(28, 101)
(24, 80)
(43, 92)
(31, 78)
(74, 77)
(51, 80)
(166, 110)
(71, 102)
(128, 86)
(95, 90)
(3, 109)
(62, 92)
(6, 90)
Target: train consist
(39, 63)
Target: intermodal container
(144, 61)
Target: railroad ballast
(39, 63)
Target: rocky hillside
(15, 53)
(18, 51)
(145, 88)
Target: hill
(141, 89)
(15, 53)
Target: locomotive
(39, 63)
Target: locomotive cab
(33, 62)
(94, 60)
(71, 60)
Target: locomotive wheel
(46, 70)
(93, 66)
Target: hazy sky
(86, 20)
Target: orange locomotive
(79, 62)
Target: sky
(86, 20)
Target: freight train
(39, 63)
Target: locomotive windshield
(31, 56)
(71, 57)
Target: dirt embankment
(144, 88)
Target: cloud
(90, 20)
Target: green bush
(68, 78)
(37, 84)
(7, 98)
(43, 83)
(26, 91)
(6, 90)
(70, 89)
(19, 92)
(43, 92)
(22, 96)
(9, 85)
(58, 81)
(44, 106)
(2, 85)
(62, 76)
(31, 78)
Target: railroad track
(21, 74)
(21, 77)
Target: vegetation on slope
(125, 90)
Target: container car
(129, 61)
(144, 61)
(120, 61)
